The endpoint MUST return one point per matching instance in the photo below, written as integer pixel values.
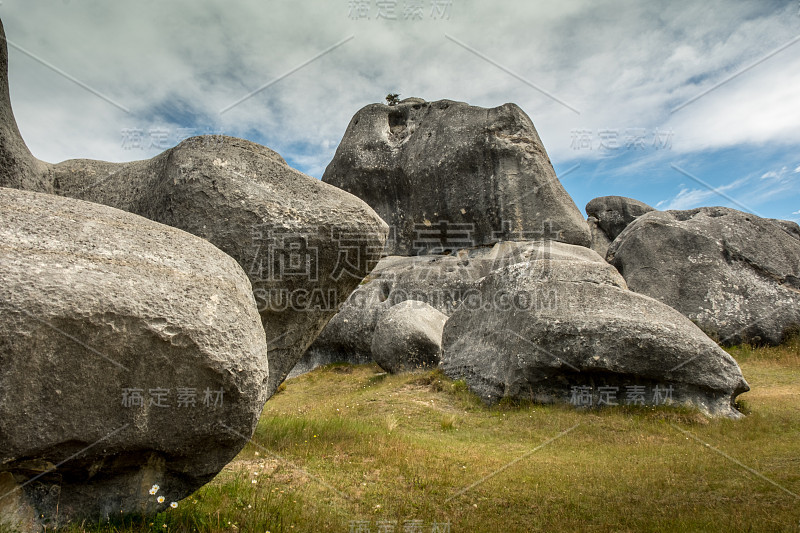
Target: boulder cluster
(149, 309)
(629, 307)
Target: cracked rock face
(131, 354)
(594, 342)
(446, 175)
(734, 274)
(305, 245)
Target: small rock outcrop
(734, 274)
(446, 175)
(408, 336)
(304, 244)
(600, 241)
(790, 227)
(594, 343)
(614, 213)
(131, 354)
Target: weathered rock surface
(446, 175)
(600, 240)
(131, 353)
(615, 213)
(441, 281)
(792, 228)
(304, 244)
(734, 274)
(18, 167)
(408, 336)
(596, 342)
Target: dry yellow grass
(344, 447)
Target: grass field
(351, 449)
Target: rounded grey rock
(441, 281)
(590, 342)
(614, 213)
(131, 354)
(734, 274)
(408, 337)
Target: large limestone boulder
(595, 343)
(446, 175)
(408, 337)
(305, 244)
(734, 274)
(131, 354)
(614, 213)
(441, 281)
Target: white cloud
(772, 174)
(689, 198)
(751, 190)
(621, 65)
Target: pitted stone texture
(734, 274)
(100, 307)
(446, 175)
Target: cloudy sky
(677, 103)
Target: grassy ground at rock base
(346, 447)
